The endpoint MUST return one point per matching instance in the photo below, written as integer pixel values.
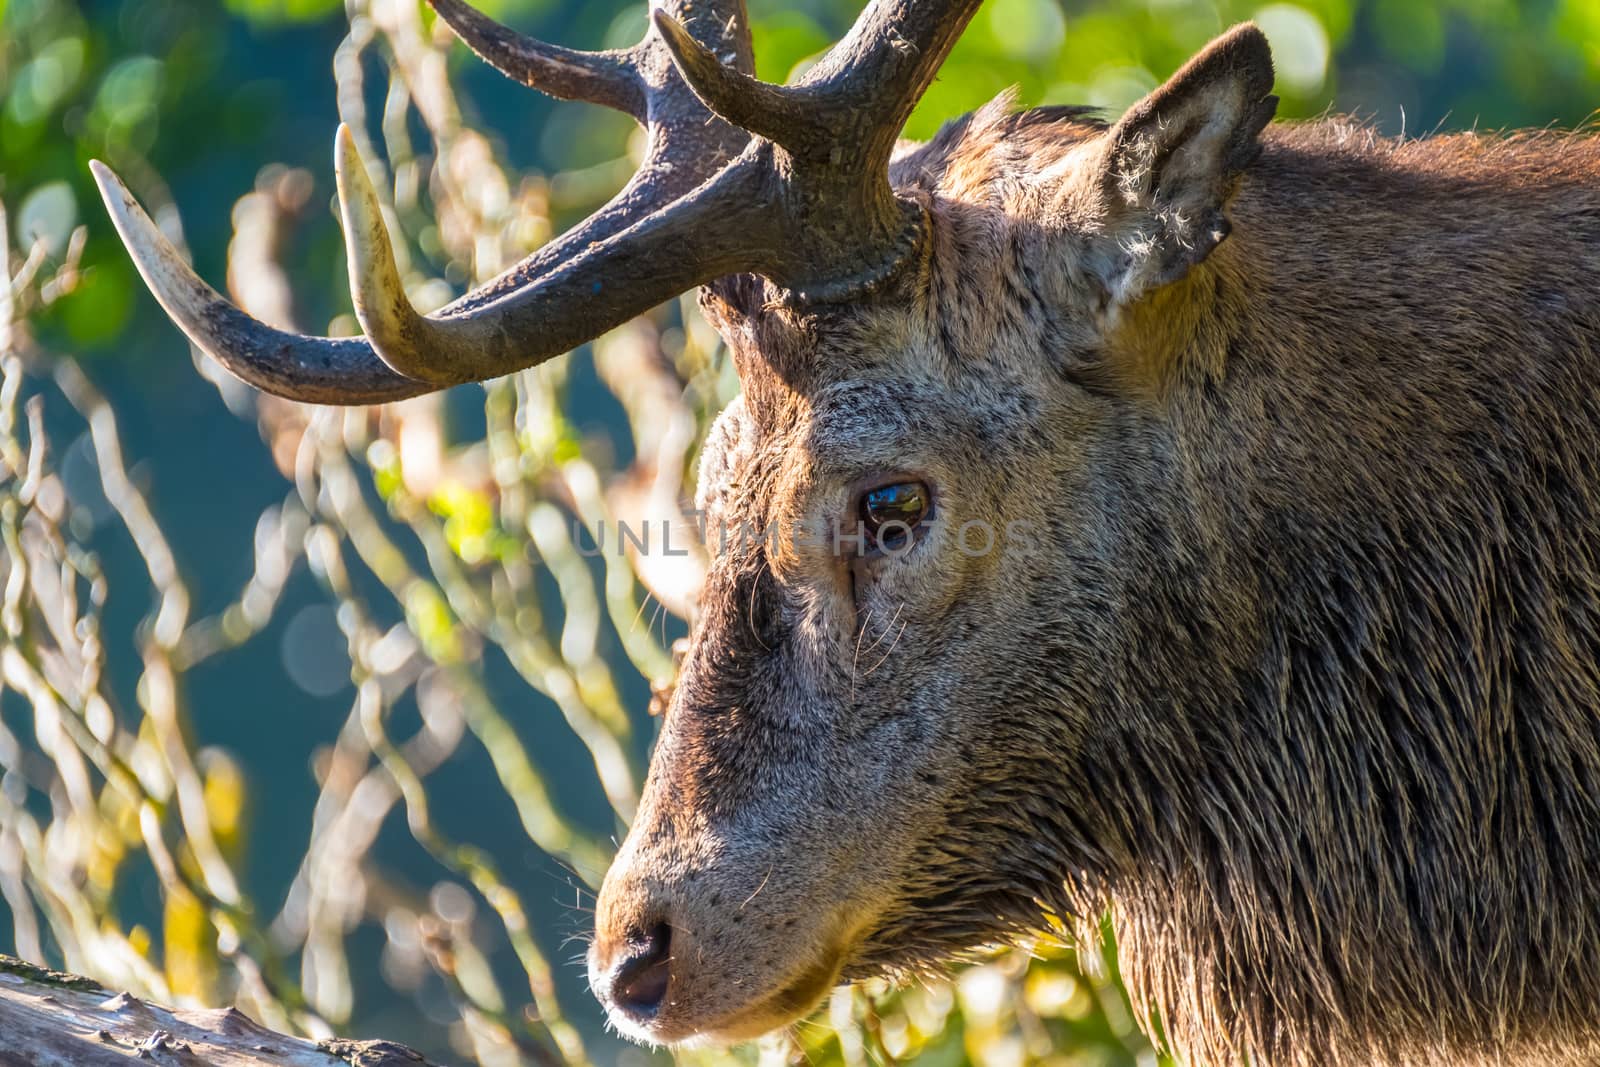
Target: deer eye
(891, 514)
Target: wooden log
(49, 1019)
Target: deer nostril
(639, 983)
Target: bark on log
(60, 1020)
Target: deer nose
(641, 973)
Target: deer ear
(1173, 162)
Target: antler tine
(775, 112)
(718, 229)
(610, 79)
(318, 370)
(405, 353)
(686, 143)
(834, 133)
(881, 68)
(865, 87)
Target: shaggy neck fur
(1354, 812)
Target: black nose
(639, 982)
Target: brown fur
(1296, 671)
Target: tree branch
(49, 1019)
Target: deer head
(914, 506)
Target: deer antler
(806, 202)
(610, 79)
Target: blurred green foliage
(188, 99)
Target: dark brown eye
(891, 514)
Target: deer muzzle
(687, 950)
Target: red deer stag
(1221, 508)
